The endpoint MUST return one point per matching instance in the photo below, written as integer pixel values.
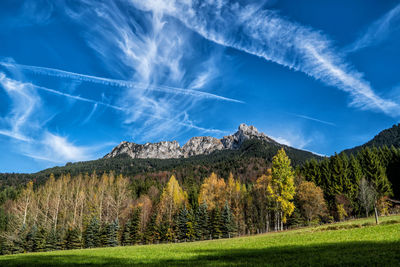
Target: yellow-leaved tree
(262, 189)
(172, 198)
(213, 192)
(282, 188)
(236, 195)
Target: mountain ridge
(199, 145)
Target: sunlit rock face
(202, 145)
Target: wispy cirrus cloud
(378, 31)
(265, 33)
(22, 125)
(152, 51)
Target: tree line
(357, 183)
(94, 210)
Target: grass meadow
(351, 243)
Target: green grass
(350, 244)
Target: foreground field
(348, 243)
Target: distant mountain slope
(246, 163)
(389, 137)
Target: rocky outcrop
(244, 133)
(195, 146)
(160, 150)
(201, 145)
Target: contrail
(116, 83)
(313, 119)
(79, 98)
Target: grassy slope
(370, 245)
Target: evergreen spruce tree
(326, 182)
(374, 171)
(163, 230)
(30, 239)
(19, 244)
(53, 240)
(104, 234)
(40, 240)
(337, 175)
(203, 227)
(126, 239)
(355, 175)
(91, 235)
(228, 222)
(113, 234)
(393, 171)
(216, 223)
(312, 172)
(35, 240)
(5, 247)
(375, 174)
(182, 220)
(151, 233)
(73, 239)
(135, 227)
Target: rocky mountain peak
(195, 146)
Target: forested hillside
(248, 162)
(109, 209)
(388, 137)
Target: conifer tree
(182, 220)
(203, 228)
(126, 234)
(191, 232)
(40, 240)
(216, 223)
(135, 226)
(374, 171)
(375, 174)
(151, 232)
(228, 222)
(91, 235)
(112, 234)
(53, 240)
(355, 175)
(73, 239)
(30, 240)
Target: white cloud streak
(314, 119)
(22, 125)
(378, 31)
(121, 83)
(266, 34)
(152, 50)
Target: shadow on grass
(335, 254)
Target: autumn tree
(172, 198)
(236, 194)
(282, 187)
(213, 192)
(263, 198)
(311, 200)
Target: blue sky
(79, 77)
